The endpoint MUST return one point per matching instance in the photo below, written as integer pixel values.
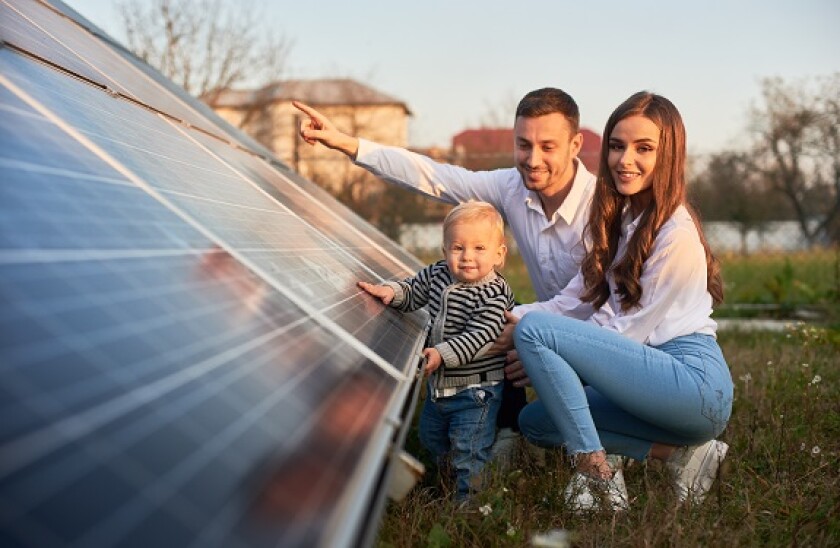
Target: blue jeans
(600, 390)
(465, 426)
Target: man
(544, 200)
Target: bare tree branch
(206, 46)
(798, 150)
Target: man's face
(543, 151)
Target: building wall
(278, 130)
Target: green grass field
(780, 485)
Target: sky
(459, 64)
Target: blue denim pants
(598, 389)
(465, 426)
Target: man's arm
(448, 183)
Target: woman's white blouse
(675, 300)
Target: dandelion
(485, 510)
(815, 450)
(816, 379)
(511, 532)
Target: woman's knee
(528, 327)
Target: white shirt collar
(571, 204)
(628, 222)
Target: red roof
(485, 140)
(591, 150)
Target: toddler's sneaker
(694, 468)
(585, 493)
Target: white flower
(505, 489)
(769, 362)
(511, 532)
(554, 538)
(802, 446)
(815, 450)
(485, 510)
(805, 365)
(816, 379)
(746, 378)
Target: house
(492, 148)
(267, 115)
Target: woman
(642, 375)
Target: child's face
(472, 249)
(634, 143)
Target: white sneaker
(584, 493)
(694, 468)
(504, 448)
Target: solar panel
(184, 356)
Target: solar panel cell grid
(185, 357)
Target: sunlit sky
(457, 64)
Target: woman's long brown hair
(668, 193)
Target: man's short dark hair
(542, 102)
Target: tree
(828, 145)
(206, 46)
(798, 150)
(730, 189)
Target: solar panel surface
(185, 357)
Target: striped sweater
(466, 320)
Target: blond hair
(472, 211)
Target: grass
(780, 485)
(796, 285)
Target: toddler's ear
(502, 254)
